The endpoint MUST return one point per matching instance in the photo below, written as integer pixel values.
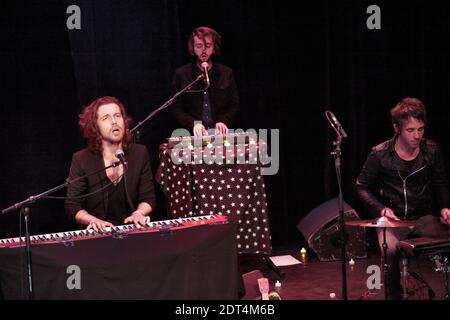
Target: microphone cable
(90, 193)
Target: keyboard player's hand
(138, 219)
(199, 130)
(221, 128)
(98, 225)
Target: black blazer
(138, 182)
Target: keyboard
(163, 226)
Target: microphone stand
(24, 207)
(137, 135)
(337, 162)
(165, 105)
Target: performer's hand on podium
(221, 128)
(199, 130)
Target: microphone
(337, 125)
(121, 156)
(205, 70)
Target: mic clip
(115, 163)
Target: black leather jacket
(386, 181)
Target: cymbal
(381, 222)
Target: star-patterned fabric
(219, 180)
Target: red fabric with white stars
(235, 189)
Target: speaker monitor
(320, 227)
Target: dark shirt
(137, 185)
(207, 119)
(222, 95)
(408, 165)
(117, 203)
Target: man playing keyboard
(215, 101)
(121, 194)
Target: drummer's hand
(389, 213)
(445, 216)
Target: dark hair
(201, 33)
(406, 108)
(88, 123)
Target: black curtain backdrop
(292, 62)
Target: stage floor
(317, 280)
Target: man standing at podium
(121, 194)
(217, 106)
(404, 178)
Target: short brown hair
(406, 108)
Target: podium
(218, 179)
